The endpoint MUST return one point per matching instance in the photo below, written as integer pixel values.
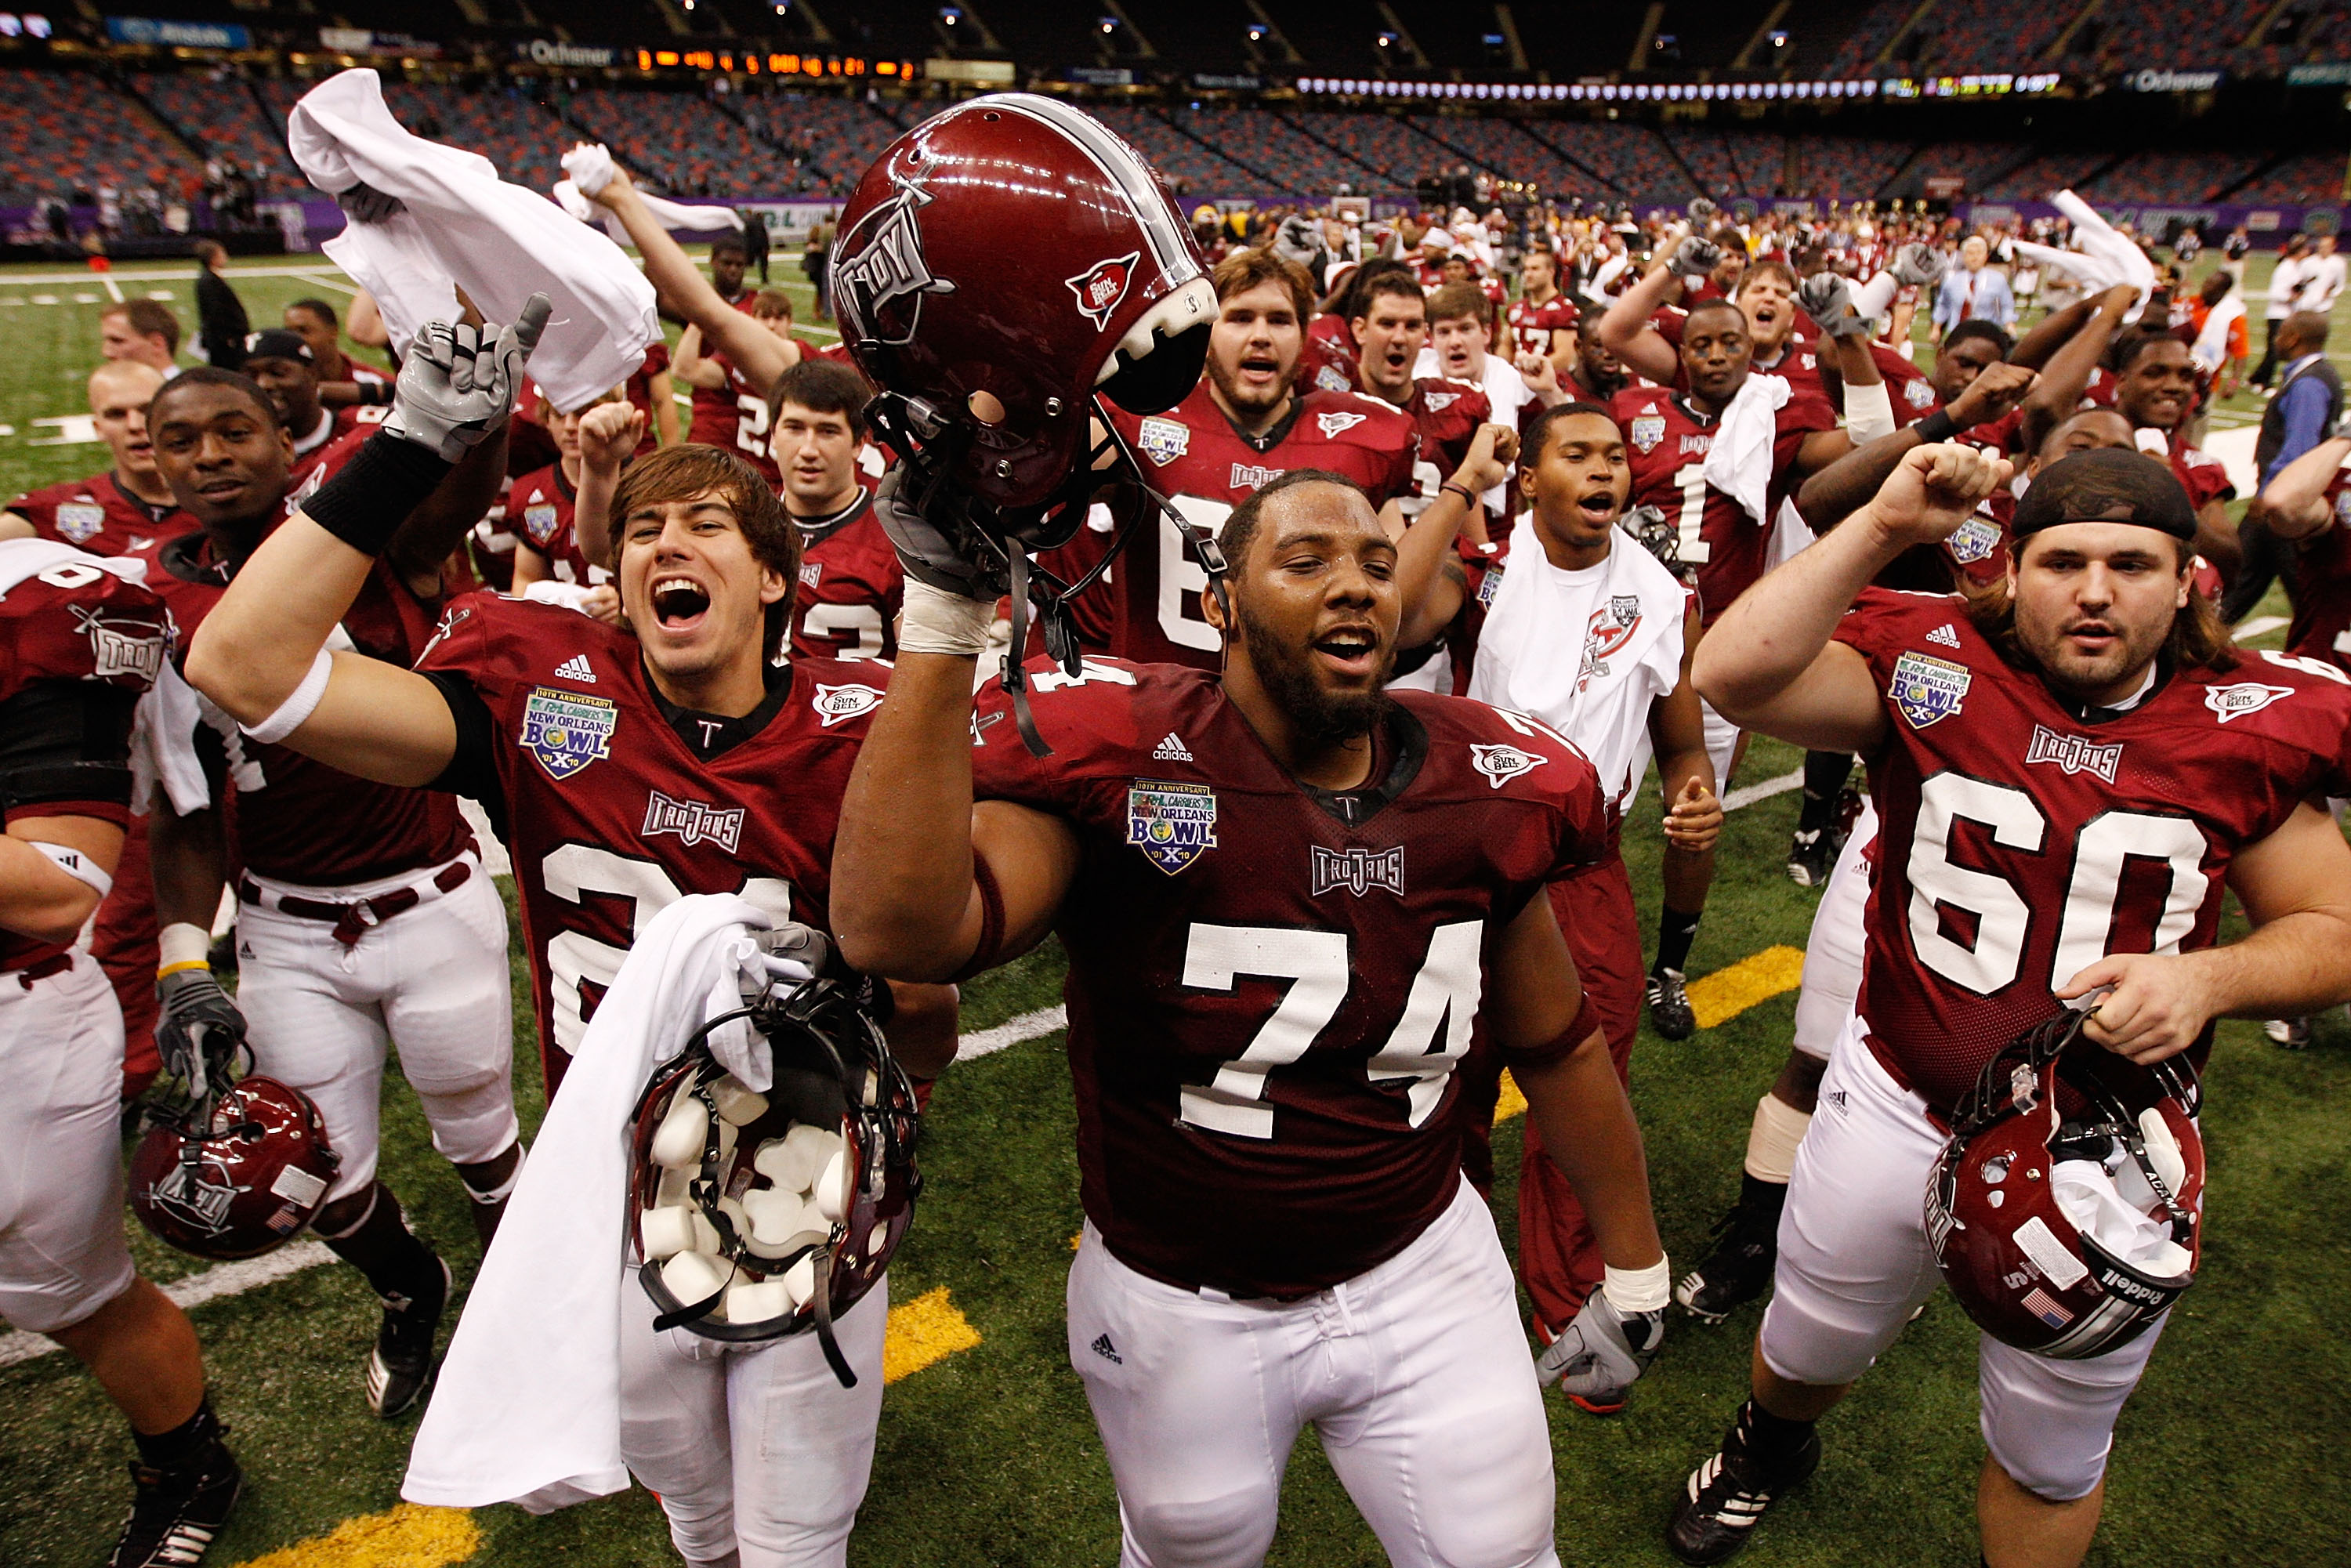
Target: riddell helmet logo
(1101, 286)
(885, 265)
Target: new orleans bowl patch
(1647, 430)
(567, 731)
(1164, 440)
(1926, 690)
(1171, 824)
(79, 521)
(1972, 542)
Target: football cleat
(1739, 1269)
(1727, 1495)
(176, 1511)
(400, 1367)
(2288, 1034)
(1669, 1005)
(1812, 854)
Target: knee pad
(2051, 1424)
(1228, 1531)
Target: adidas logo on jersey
(1171, 749)
(575, 668)
(1107, 1351)
(1945, 635)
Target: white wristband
(297, 708)
(77, 865)
(1868, 412)
(937, 622)
(182, 944)
(1639, 1290)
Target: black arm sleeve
(471, 772)
(66, 740)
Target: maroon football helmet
(753, 1217)
(235, 1175)
(1013, 249)
(2016, 1261)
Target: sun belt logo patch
(884, 265)
(1438, 402)
(834, 704)
(2074, 753)
(1171, 824)
(2247, 696)
(1358, 870)
(567, 730)
(1334, 425)
(1164, 440)
(1926, 690)
(1101, 286)
(1500, 764)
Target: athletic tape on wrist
(290, 715)
(937, 622)
(1639, 1289)
(1772, 1141)
(77, 865)
(182, 945)
(365, 503)
(1868, 412)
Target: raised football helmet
(757, 1216)
(233, 1174)
(2065, 1208)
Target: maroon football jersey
(100, 516)
(1906, 387)
(1270, 987)
(1446, 415)
(294, 818)
(2202, 474)
(72, 622)
(1193, 455)
(1531, 325)
(610, 816)
(2021, 844)
(851, 588)
(1667, 441)
(735, 417)
(352, 424)
(540, 507)
(639, 390)
(2319, 581)
(1331, 355)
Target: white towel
(589, 166)
(465, 228)
(1738, 463)
(528, 1409)
(2210, 349)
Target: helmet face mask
(233, 1175)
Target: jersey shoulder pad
(1356, 419)
(1485, 751)
(77, 620)
(500, 645)
(1100, 720)
(842, 696)
(2296, 702)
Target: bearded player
(365, 920)
(631, 768)
(2070, 769)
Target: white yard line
(1748, 794)
(2258, 625)
(1027, 1027)
(313, 278)
(113, 292)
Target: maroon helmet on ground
(2020, 1264)
(236, 1174)
(999, 264)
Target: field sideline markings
(1748, 794)
(408, 1536)
(194, 1289)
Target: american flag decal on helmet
(2041, 1305)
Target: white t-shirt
(2284, 283)
(2323, 278)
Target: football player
(78, 644)
(144, 332)
(281, 361)
(851, 582)
(631, 766)
(1246, 422)
(1298, 913)
(2085, 737)
(115, 512)
(2155, 389)
(341, 379)
(1590, 633)
(730, 406)
(364, 917)
(1542, 319)
(546, 545)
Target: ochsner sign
(546, 52)
(2172, 81)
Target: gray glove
(1602, 1354)
(1694, 258)
(1701, 209)
(201, 1032)
(363, 204)
(943, 553)
(458, 385)
(1920, 265)
(1299, 239)
(1654, 532)
(1828, 301)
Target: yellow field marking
(925, 1329)
(407, 1537)
(1512, 1102)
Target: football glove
(1655, 533)
(1828, 301)
(943, 554)
(1602, 1354)
(1701, 209)
(363, 204)
(458, 385)
(201, 1032)
(1920, 265)
(1694, 258)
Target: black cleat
(1669, 1005)
(1812, 855)
(176, 1511)
(1739, 1269)
(401, 1368)
(1726, 1495)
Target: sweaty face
(1581, 481)
(817, 455)
(1959, 365)
(2160, 388)
(1391, 336)
(1716, 353)
(1254, 346)
(1771, 309)
(1318, 606)
(222, 458)
(292, 385)
(690, 587)
(2095, 602)
(1460, 345)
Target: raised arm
(1769, 663)
(692, 366)
(1625, 331)
(2293, 504)
(609, 433)
(2068, 373)
(758, 354)
(1831, 495)
(1425, 548)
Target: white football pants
(1854, 1261)
(1832, 952)
(760, 1455)
(1416, 1374)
